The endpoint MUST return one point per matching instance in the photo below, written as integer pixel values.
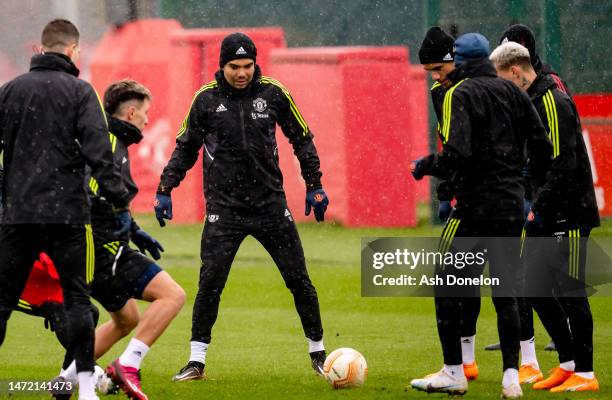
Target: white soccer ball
(345, 367)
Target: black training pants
(453, 305)
(71, 249)
(221, 239)
(556, 270)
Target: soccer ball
(345, 367)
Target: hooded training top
(237, 130)
(487, 122)
(51, 126)
(568, 196)
(122, 135)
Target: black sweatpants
(71, 249)
(502, 244)
(276, 231)
(556, 266)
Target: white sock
(134, 354)
(70, 373)
(87, 385)
(467, 349)
(568, 365)
(315, 346)
(586, 375)
(456, 371)
(528, 353)
(198, 352)
(510, 377)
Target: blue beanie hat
(470, 46)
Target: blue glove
(163, 208)
(318, 200)
(144, 241)
(124, 220)
(444, 210)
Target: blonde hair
(511, 53)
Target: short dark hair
(122, 91)
(59, 33)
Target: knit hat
(437, 47)
(235, 46)
(470, 46)
(522, 35)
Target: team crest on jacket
(212, 218)
(260, 104)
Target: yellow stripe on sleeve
(294, 110)
(183, 128)
(446, 111)
(553, 121)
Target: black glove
(124, 220)
(318, 200)
(49, 324)
(419, 167)
(444, 210)
(144, 241)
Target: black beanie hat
(522, 35)
(437, 47)
(235, 46)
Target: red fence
(596, 115)
(367, 107)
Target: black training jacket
(122, 134)
(237, 130)
(445, 190)
(487, 123)
(51, 126)
(567, 197)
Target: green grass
(258, 349)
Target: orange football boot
(556, 378)
(577, 383)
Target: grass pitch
(258, 349)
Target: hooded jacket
(122, 135)
(567, 197)
(487, 123)
(237, 130)
(51, 126)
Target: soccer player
(51, 126)
(438, 59)
(523, 35)
(123, 274)
(565, 208)
(488, 122)
(234, 119)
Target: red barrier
(419, 118)
(596, 116)
(173, 63)
(360, 103)
(142, 50)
